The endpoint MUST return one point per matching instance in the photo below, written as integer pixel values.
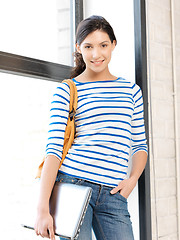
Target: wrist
(134, 178)
(43, 208)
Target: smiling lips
(97, 63)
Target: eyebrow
(91, 43)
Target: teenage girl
(109, 122)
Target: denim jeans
(107, 214)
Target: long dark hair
(84, 28)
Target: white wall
(120, 14)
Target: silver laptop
(68, 205)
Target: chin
(97, 70)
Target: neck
(92, 76)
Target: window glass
(37, 29)
(24, 106)
(120, 15)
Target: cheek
(110, 52)
(107, 55)
(107, 52)
(86, 56)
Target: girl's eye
(104, 45)
(87, 47)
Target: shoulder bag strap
(73, 97)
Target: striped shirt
(109, 126)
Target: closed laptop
(68, 205)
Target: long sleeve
(59, 112)
(139, 142)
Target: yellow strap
(72, 104)
(73, 94)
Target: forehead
(96, 37)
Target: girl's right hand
(44, 226)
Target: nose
(96, 53)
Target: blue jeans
(107, 214)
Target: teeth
(97, 61)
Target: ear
(113, 45)
(78, 48)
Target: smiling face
(96, 50)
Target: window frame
(141, 80)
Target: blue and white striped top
(109, 122)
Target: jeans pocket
(125, 199)
(119, 196)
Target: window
(40, 29)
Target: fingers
(125, 187)
(51, 233)
(44, 226)
(116, 189)
(37, 233)
(43, 234)
(47, 232)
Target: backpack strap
(70, 128)
(73, 97)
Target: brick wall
(162, 120)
